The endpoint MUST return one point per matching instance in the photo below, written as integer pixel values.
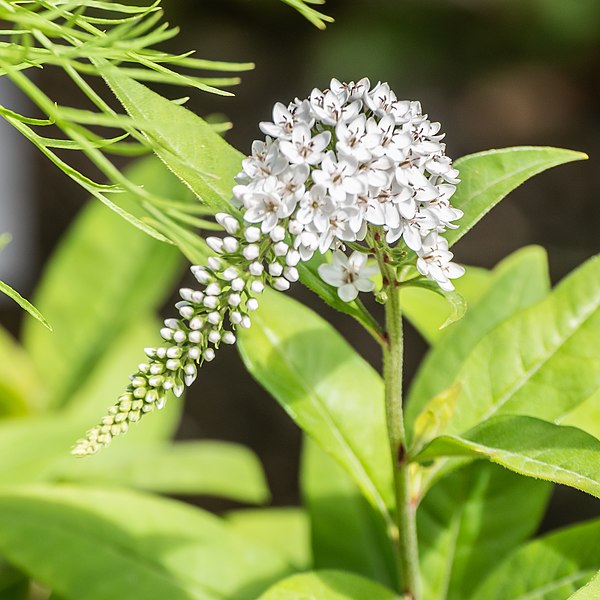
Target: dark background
(494, 72)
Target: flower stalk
(407, 542)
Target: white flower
(283, 123)
(315, 206)
(339, 176)
(349, 274)
(303, 148)
(350, 138)
(435, 262)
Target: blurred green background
(494, 72)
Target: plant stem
(392, 373)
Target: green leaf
(517, 282)
(116, 544)
(19, 383)
(325, 387)
(283, 529)
(589, 592)
(328, 585)
(24, 304)
(471, 518)
(198, 467)
(487, 177)
(543, 361)
(428, 311)
(550, 568)
(346, 532)
(531, 447)
(310, 277)
(188, 145)
(103, 275)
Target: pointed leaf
(346, 532)
(550, 568)
(24, 304)
(487, 177)
(469, 520)
(188, 145)
(516, 283)
(87, 307)
(325, 387)
(328, 585)
(116, 544)
(543, 361)
(531, 447)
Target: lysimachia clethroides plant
(350, 192)
(351, 168)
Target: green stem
(408, 551)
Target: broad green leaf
(516, 283)
(543, 361)
(427, 311)
(325, 387)
(198, 467)
(531, 447)
(328, 585)
(103, 275)
(487, 177)
(346, 532)
(188, 145)
(117, 544)
(589, 592)
(310, 277)
(19, 384)
(24, 304)
(550, 568)
(469, 520)
(283, 529)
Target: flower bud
(281, 284)
(252, 234)
(230, 245)
(215, 244)
(251, 252)
(275, 269)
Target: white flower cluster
(333, 166)
(347, 158)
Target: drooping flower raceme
(351, 167)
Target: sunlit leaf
(550, 568)
(517, 282)
(117, 544)
(531, 447)
(469, 520)
(487, 177)
(325, 387)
